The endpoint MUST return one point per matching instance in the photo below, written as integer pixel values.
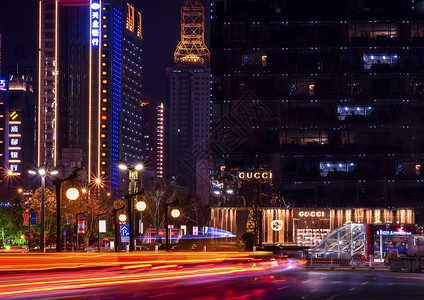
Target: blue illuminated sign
(95, 24)
(2, 83)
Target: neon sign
(2, 83)
(267, 175)
(392, 232)
(15, 140)
(95, 24)
(311, 214)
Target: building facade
(89, 86)
(17, 127)
(325, 94)
(303, 226)
(187, 109)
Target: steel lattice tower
(192, 49)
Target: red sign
(81, 226)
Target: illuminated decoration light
(175, 213)
(141, 206)
(139, 28)
(130, 17)
(160, 141)
(116, 92)
(72, 194)
(122, 217)
(192, 48)
(104, 118)
(95, 24)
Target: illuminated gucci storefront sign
(267, 175)
(303, 214)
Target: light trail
(153, 271)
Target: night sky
(161, 31)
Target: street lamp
(130, 206)
(58, 184)
(141, 206)
(175, 214)
(43, 172)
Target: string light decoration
(191, 49)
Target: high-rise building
(326, 94)
(187, 108)
(89, 86)
(17, 138)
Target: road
(294, 284)
(190, 275)
(231, 276)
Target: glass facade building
(326, 94)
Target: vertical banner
(25, 215)
(33, 218)
(81, 226)
(102, 226)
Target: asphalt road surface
(285, 283)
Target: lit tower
(192, 49)
(187, 108)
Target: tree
(49, 212)
(94, 202)
(193, 210)
(160, 193)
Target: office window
(377, 60)
(344, 112)
(328, 167)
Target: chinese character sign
(95, 24)
(15, 141)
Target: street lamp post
(141, 206)
(43, 173)
(130, 207)
(115, 222)
(128, 197)
(58, 184)
(165, 207)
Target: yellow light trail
(131, 280)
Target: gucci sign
(311, 214)
(255, 175)
(277, 225)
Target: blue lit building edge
(116, 95)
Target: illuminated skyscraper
(187, 109)
(89, 86)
